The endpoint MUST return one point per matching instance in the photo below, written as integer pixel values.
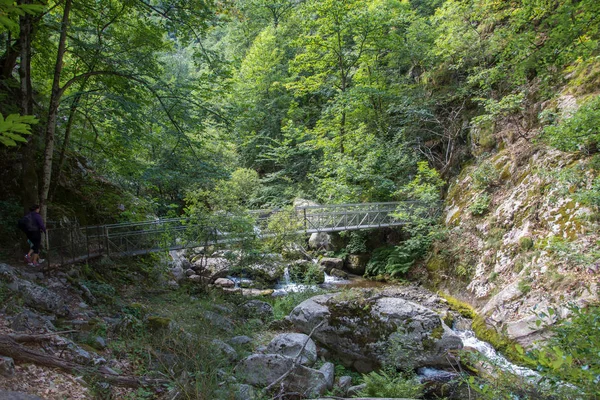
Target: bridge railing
(73, 243)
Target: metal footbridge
(73, 243)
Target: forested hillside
(132, 110)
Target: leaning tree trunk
(53, 111)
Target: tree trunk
(63, 151)
(53, 111)
(29, 176)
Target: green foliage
(357, 242)
(480, 204)
(391, 384)
(14, 127)
(420, 211)
(571, 355)
(485, 176)
(10, 13)
(390, 260)
(580, 131)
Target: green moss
(461, 307)
(157, 323)
(437, 333)
(526, 243)
(499, 341)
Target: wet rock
(7, 366)
(356, 263)
(366, 332)
(338, 273)
(328, 263)
(290, 345)
(189, 272)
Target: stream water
(286, 285)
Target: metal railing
(72, 243)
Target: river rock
(356, 263)
(290, 344)
(263, 369)
(366, 331)
(329, 262)
(338, 273)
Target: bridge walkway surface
(74, 243)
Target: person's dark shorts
(36, 239)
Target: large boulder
(34, 296)
(263, 369)
(366, 331)
(329, 263)
(290, 345)
(319, 241)
(356, 263)
(212, 268)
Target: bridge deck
(73, 244)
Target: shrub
(581, 131)
(391, 384)
(480, 205)
(526, 243)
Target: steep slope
(523, 234)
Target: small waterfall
(470, 340)
(286, 276)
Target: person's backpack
(27, 224)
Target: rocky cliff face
(523, 236)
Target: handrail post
(106, 241)
(305, 221)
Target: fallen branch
(10, 348)
(26, 338)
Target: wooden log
(10, 348)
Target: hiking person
(33, 226)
